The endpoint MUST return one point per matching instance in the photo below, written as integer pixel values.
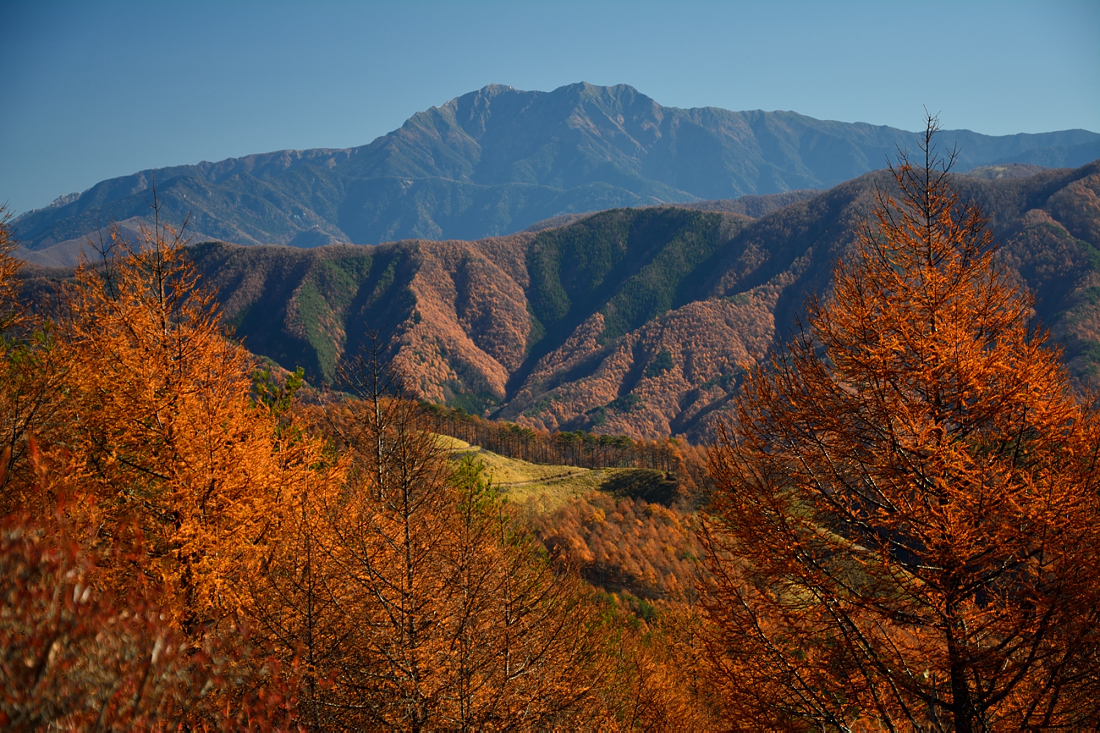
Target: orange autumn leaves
(167, 441)
(906, 524)
(238, 566)
(136, 459)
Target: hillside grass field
(546, 487)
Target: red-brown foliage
(74, 656)
(644, 548)
(905, 527)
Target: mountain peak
(615, 93)
(491, 90)
(499, 159)
(579, 91)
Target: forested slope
(632, 321)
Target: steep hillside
(465, 322)
(631, 321)
(498, 160)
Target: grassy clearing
(546, 487)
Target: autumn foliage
(140, 487)
(641, 548)
(905, 529)
(902, 533)
(185, 545)
(166, 439)
(72, 655)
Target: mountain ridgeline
(629, 321)
(496, 161)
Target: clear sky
(93, 90)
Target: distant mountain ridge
(636, 321)
(497, 160)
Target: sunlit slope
(630, 321)
(547, 487)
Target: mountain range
(637, 321)
(498, 160)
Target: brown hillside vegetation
(624, 544)
(628, 321)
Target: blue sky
(92, 90)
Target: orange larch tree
(411, 596)
(163, 435)
(384, 529)
(525, 648)
(905, 527)
(31, 374)
(138, 480)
